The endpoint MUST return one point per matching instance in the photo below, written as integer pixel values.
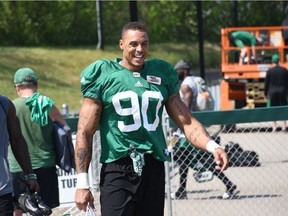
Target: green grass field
(59, 68)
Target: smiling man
(126, 98)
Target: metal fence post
(168, 186)
(65, 110)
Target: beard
(181, 76)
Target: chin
(138, 63)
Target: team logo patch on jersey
(136, 74)
(154, 80)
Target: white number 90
(135, 110)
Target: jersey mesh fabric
(132, 105)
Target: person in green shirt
(36, 114)
(245, 39)
(125, 98)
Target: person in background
(276, 87)
(245, 39)
(127, 97)
(36, 114)
(183, 153)
(10, 132)
(193, 90)
(188, 88)
(187, 156)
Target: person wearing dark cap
(276, 87)
(183, 153)
(188, 88)
(245, 39)
(36, 114)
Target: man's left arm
(194, 131)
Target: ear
(121, 44)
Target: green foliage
(168, 21)
(47, 23)
(263, 13)
(70, 23)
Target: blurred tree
(33, 23)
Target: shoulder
(3, 98)
(5, 102)
(158, 63)
(97, 69)
(98, 64)
(18, 100)
(284, 68)
(189, 80)
(159, 67)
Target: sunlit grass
(59, 68)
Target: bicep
(178, 111)
(194, 131)
(89, 116)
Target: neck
(26, 93)
(131, 67)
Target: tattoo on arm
(84, 157)
(181, 113)
(176, 101)
(88, 122)
(197, 132)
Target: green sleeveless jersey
(39, 139)
(132, 105)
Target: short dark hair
(133, 26)
(30, 85)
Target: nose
(139, 48)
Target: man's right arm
(89, 118)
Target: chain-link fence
(254, 184)
(258, 168)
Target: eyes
(135, 44)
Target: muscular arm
(55, 115)
(89, 117)
(187, 96)
(194, 131)
(88, 122)
(17, 141)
